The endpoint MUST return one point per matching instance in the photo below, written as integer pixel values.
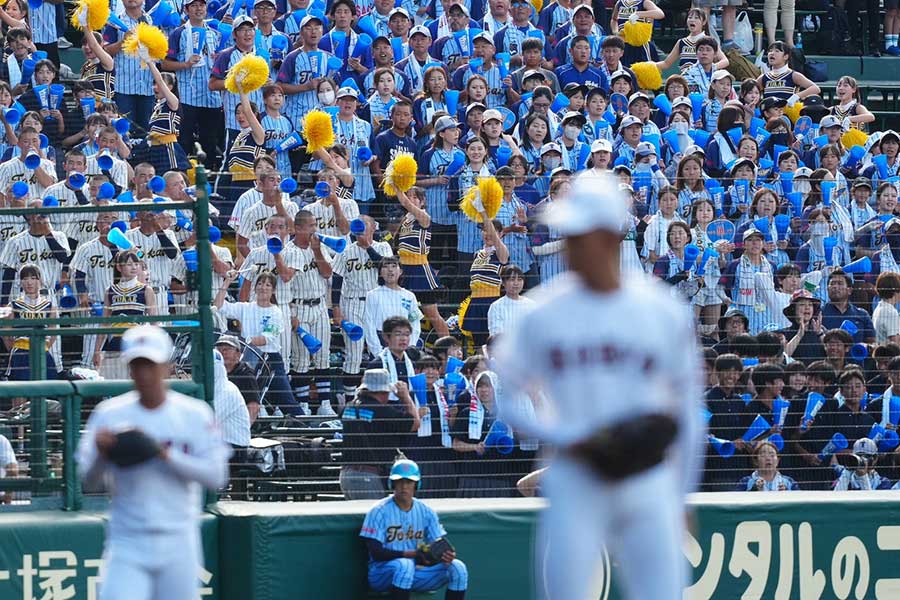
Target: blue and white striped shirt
(278, 128)
(300, 67)
(193, 83)
(131, 79)
(224, 61)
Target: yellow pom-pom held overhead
(854, 137)
(400, 174)
(648, 75)
(148, 37)
(793, 112)
(538, 5)
(318, 131)
(637, 34)
(90, 15)
(247, 75)
(491, 194)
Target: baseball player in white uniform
(153, 547)
(9, 467)
(233, 419)
(39, 244)
(355, 275)
(14, 169)
(160, 251)
(390, 300)
(251, 232)
(596, 369)
(333, 214)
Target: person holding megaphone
(333, 213)
(29, 166)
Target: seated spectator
(766, 477)
(837, 343)
(396, 333)
(850, 417)
(805, 333)
(734, 323)
(883, 357)
(240, 373)
(862, 476)
(839, 308)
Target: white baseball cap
(594, 203)
(242, 20)
(491, 113)
(864, 446)
(399, 10)
(721, 74)
(628, 121)
(601, 146)
(147, 341)
(550, 147)
(829, 121)
(376, 380)
(420, 29)
(682, 101)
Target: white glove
(794, 99)
(633, 18)
(144, 53)
(477, 204)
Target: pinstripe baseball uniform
(278, 128)
(42, 21)
(401, 530)
(505, 312)
(253, 221)
(224, 61)
(245, 201)
(434, 163)
(193, 83)
(158, 264)
(14, 170)
(95, 260)
(264, 47)
(119, 171)
(496, 96)
(383, 303)
(289, 24)
(180, 272)
(298, 68)
(357, 134)
(232, 416)
(325, 219)
(10, 225)
(311, 309)
(360, 275)
(25, 248)
(131, 79)
(66, 196)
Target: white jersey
(65, 222)
(25, 248)
(308, 283)
(14, 170)
(253, 221)
(7, 456)
(505, 312)
(95, 260)
(159, 495)
(10, 225)
(383, 303)
(360, 272)
(325, 219)
(119, 171)
(260, 260)
(256, 320)
(231, 410)
(179, 269)
(245, 201)
(601, 358)
(159, 265)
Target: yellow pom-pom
(637, 34)
(148, 36)
(854, 137)
(318, 131)
(92, 14)
(648, 75)
(491, 194)
(247, 75)
(538, 5)
(793, 112)
(400, 174)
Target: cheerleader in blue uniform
(32, 303)
(165, 153)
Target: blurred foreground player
(153, 446)
(621, 407)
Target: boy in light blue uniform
(393, 531)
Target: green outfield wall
(805, 546)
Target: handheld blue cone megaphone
(215, 234)
(672, 140)
(504, 153)
(820, 141)
(827, 192)
(876, 433)
(184, 223)
(88, 106)
(708, 254)
(354, 332)
(859, 352)
(398, 48)
(749, 362)
(67, 298)
(691, 252)
(363, 43)
(236, 8)
(120, 225)
(451, 97)
(122, 126)
(77, 180)
(105, 161)
(357, 226)
(44, 141)
(125, 198)
(334, 63)
(338, 42)
(367, 25)
(28, 66)
(787, 182)
(311, 344)
(456, 164)
(762, 224)
(475, 64)
(106, 192)
(856, 154)
(829, 245)
(860, 265)
(735, 134)
(756, 125)
(780, 408)
(700, 137)
(337, 244)
(796, 200)
(280, 43)
(762, 138)
(717, 193)
(19, 189)
(777, 151)
(274, 245)
(190, 260)
(664, 105)
(118, 239)
(351, 83)
(156, 184)
(11, 116)
(723, 448)
(32, 160)
(696, 106)
(837, 443)
(777, 440)
(500, 438)
(290, 142)
(747, 398)
(880, 163)
(559, 102)
(50, 201)
(161, 14)
(893, 409)
(782, 224)
(889, 441)
(759, 426)
(814, 403)
(503, 64)
(288, 186)
(850, 327)
(418, 385)
(363, 154)
(454, 365)
(322, 189)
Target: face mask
(326, 98)
(680, 127)
(642, 168)
(779, 139)
(571, 132)
(551, 163)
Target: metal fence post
(203, 362)
(37, 466)
(71, 432)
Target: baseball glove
(432, 554)
(628, 447)
(133, 447)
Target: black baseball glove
(432, 554)
(628, 447)
(133, 447)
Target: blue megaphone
(500, 438)
(11, 116)
(829, 245)
(354, 332)
(215, 234)
(50, 201)
(723, 448)
(337, 244)
(454, 365)
(274, 245)
(367, 25)
(849, 326)
(787, 182)
(756, 125)
(363, 154)
(105, 161)
(708, 253)
(106, 192)
(451, 98)
(163, 15)
(503, 59)
(762, 224)
(322, 189)
(880, 162)
(28, 66)
(827, 192)
(780, 408)
(653, 138)
(782, 224)
(184, 223)
(456, 164)
(837, 443)
(19, 189)
(700, 137)
(820, 141)
(691, 252)
(859, 352)
(118, 239)
(893, 409)
(664, 105)
(288, 186)
(814, 403)
(796, 200)
(293, 140)
(32, 160)
(776, 440)
(749, 362)
(67, 298)
(735, 134)
(311, 344)
(560, 102)
(762, 137)
(418, 385)
(280, 43)
(236, 8)
(475, 64)
(398, 48)
(77, 180)
(190, 260)
(672, 140)
(120, 225)
(778, 151)
(338, 42)
(889, 441)
(156, 184)
(860, 265)
(696, 106)
(504, 153)
(363, 43)
(759, 426)
(357, 226)
(122, 126)
(856, 154)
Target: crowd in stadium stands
(773, 214)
